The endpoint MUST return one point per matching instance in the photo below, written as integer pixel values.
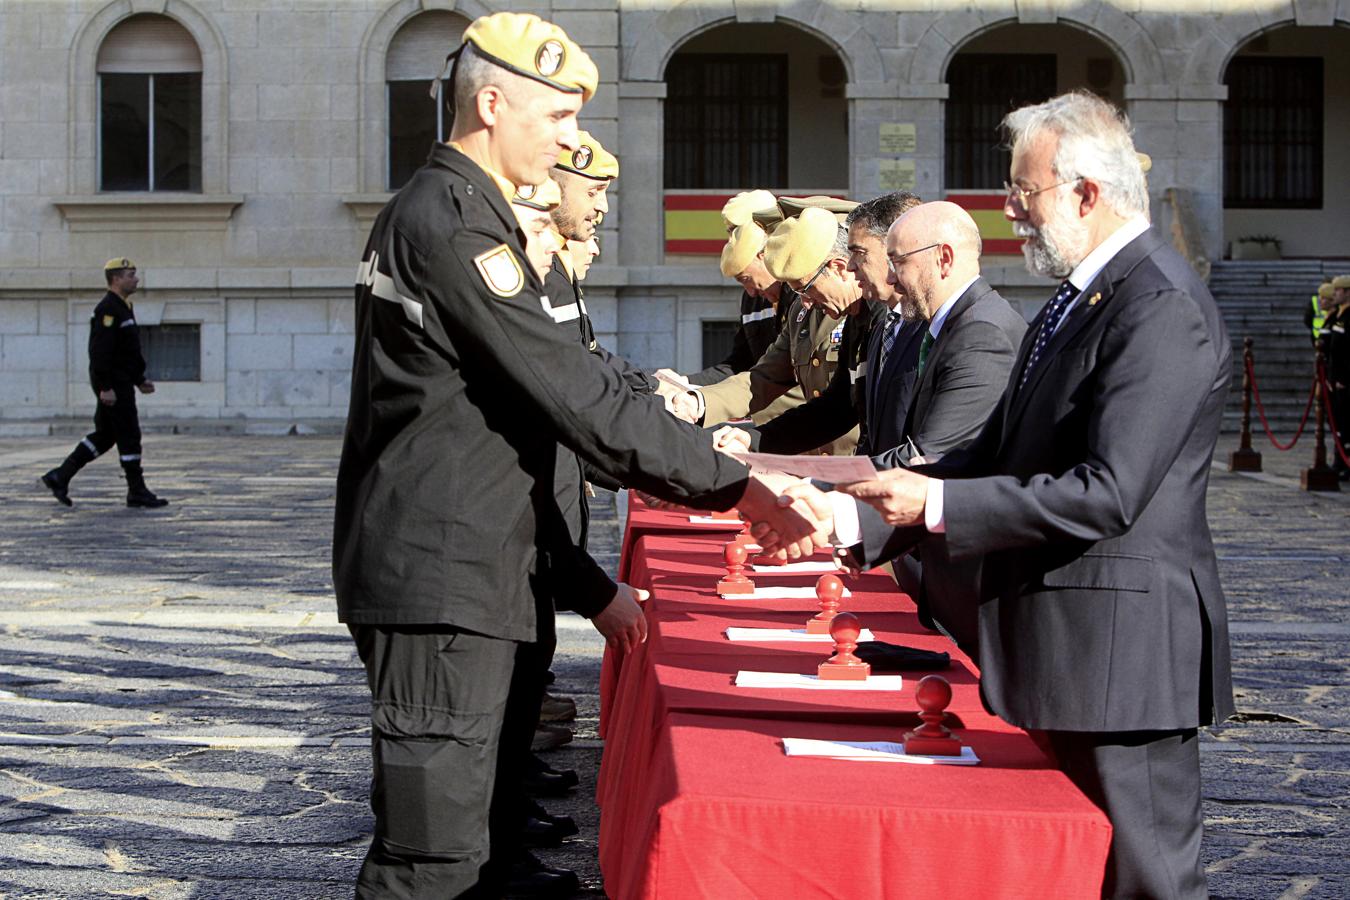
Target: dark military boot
(138, 495)
(58, 479)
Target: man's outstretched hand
(898, 494)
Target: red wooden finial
(932, 738)
(735, 581)
(844, 666)
(829, 589)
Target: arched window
(149, 107)
(416, 119)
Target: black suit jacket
(889, 387)
(963, 379)
(1100, 607)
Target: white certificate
(675, 381)
(787, 635)
(816, 683)
(833, 469)
(873, 751)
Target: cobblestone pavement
(181, 716)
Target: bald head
(934, 249)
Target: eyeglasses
(1013, 192)
(895, 261)
(806, 287)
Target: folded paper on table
(814, 683)
(787, 635)
(782, 593)
(809, 567)
(833, 469)
(872, 751)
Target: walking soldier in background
(116, 373)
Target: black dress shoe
(548, 832)
(531, 878)
(547, 782)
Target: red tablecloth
(689, 566)
(681, 817)
(643, 520)
(725, 814)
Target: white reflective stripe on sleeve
(382, 286)
(130, 457)
(569, 313)
(760, 316)
(860, 372)
(127, 323)
(90, 444)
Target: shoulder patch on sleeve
(500, 271)
(108, 321)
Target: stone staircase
(1264, 300)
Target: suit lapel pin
(1092, 301)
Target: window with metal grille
(983, 88)
(416, 119)
(172, 352)
(149, 107)
(1272, 133)
(718, 338)
(726, 121)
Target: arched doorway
(994, 73)
(1286, 130)
(748, 106)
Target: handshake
(792, 518)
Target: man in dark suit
(970, 337)
(1101, 618)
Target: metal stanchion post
(1244, 458)
(1320, 477)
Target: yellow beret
(529, 46)
(590, 160)
(544, 196)
(1340, 281)
(743, 207)
(1145, 162)
(742, 248)
(800, 246)
(120, 262)
(795, 206)
(1324, 290)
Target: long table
(698, 798)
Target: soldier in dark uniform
(116, 373)
(462, 388)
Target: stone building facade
(296, 122)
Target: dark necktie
(888, 339)
(924, 346)
(1053, 313)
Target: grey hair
(877, 214)
(472, 73)
(840, 248)
(1094, 142)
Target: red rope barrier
(1331, 418)
(1261, 411)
